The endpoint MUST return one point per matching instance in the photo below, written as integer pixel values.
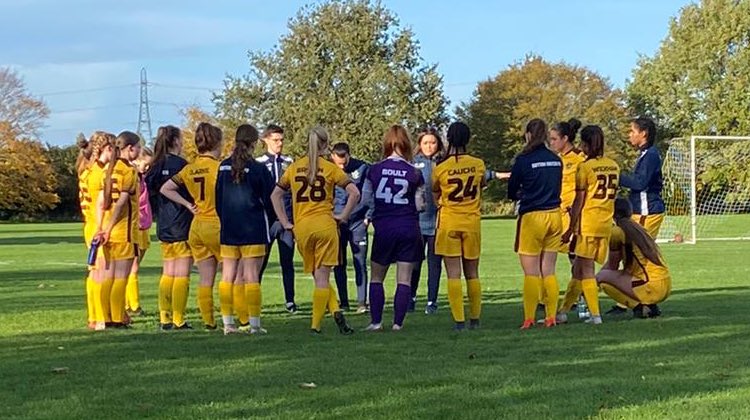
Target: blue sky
(188, 46)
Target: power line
(96, 89)
(184, 87)
(93, 108)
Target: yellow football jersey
(124, 179)
(599, 178)
(570, 161)
(84, 199)
(199, 177)
(641, 267)
(94, 183)
(312, 203)
(459, 182)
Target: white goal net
(706, 189)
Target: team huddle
(423, 202)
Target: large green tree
(535, 88)
(347, 65)
(697, 82)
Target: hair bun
(82, 143)
(575, 125)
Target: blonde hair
(98, 141)
(316, 142)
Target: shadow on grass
(426, 370)
(37, 240)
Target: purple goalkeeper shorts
(397, 243)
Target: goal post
(706, 189)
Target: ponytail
(316, 140)
(123, 140)
(166, 139)
(244, 142)
(635, 234)
(85, 149)
(537, 130)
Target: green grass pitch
(694, 362)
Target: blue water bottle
(93, 250)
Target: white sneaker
(396, 327)
(258, 330)
(561, 318)
(596, 320)
(100, 326)
(230, 329)
(374, 327)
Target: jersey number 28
(317, 189)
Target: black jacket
(172, 220)
(536, 180)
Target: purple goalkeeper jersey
(394, 184)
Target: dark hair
(396, 139)
(244, 141)
(166, 139)
(636, 235)
(593, 136)
(123, 140)
(341, 149)
(458, 135)
(207, 137)
(537, 130)
(568, 129)
(85, 151)
(272, 129)
(430, 131)
(646, 124)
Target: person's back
(199, 178)
(536, 180)
(312, 202)
(599, 178)
(172, 220)
(244, 207)
(395, 183)
(459, 180)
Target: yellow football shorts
(568, 248)
(592, 247)
(243, 251)
(118, 251)
(652, 223)
(538, 231)
(456, 243)
(653, 291)
(143, 240)
(204, 240)
(175, 250)
(318, 249)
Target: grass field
(691, 363)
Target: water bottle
(92, 252)
(583, 310)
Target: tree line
(353, 67)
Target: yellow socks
(333, 300)
(239, 302)
(474, 290)
(98, 295)
(591, 293)
(542, 291)
(165, 299)
(117, 299)
(618, 296)
(106, 297)
(551, 294)
(225, 298)
(90, 309)
(180, 289)
(456, 299)
(206, 305)
(571, 295)
(530, 296)
(132, 293)
(254, 300)
(320, 301)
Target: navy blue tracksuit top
(536, 180)
(244, 208)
